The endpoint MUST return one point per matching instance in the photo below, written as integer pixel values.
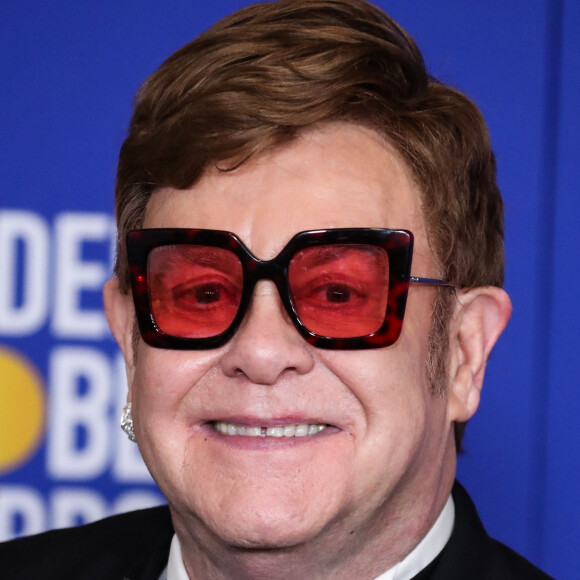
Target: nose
(266, 345)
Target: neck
(347, 547)
(338, 551)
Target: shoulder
(505, 563)
(98, 550)
(471, 553)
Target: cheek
(383, 380)
(392, 393)
(164, 381)
(163, 377)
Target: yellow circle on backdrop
(21, 410)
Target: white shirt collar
(427, 549)
(175, 566)
(420, 557)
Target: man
(308, 286)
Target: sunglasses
(342, 288)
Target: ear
(480, 317)
(120, 314)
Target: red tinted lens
(340, 291)
(195, 291)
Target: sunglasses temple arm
(428, 281)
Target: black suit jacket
(135, 546)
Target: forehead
(337, 175)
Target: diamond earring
(127, 422)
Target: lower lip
(245, 442)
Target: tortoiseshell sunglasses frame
(397, 243)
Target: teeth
(301, 430)
(275, 432)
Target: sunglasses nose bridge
(273, 271)
(267, 270)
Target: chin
(282, 500)
(268, 525)
(276, 536)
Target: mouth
(298, 430)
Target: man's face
(386, 450)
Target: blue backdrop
(69, 71)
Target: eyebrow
(207, 256)
(330, 253)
